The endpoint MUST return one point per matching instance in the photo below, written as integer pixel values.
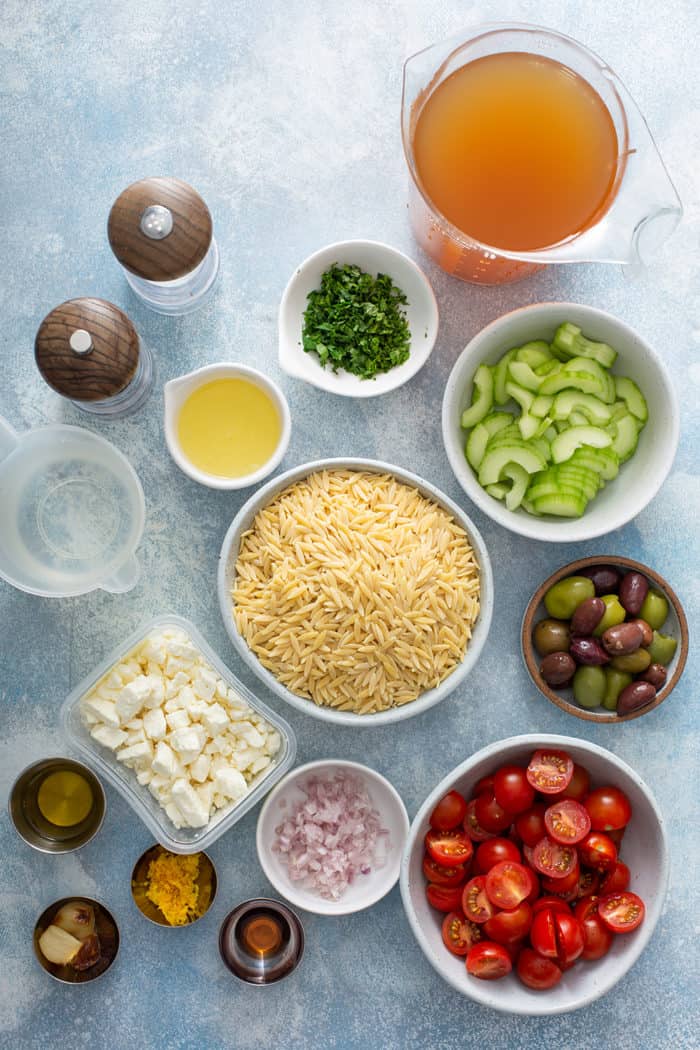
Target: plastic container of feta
(177, 840)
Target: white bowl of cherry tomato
(535, 872)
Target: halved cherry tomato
(475, 901)
(444, 898)
(512, 789)
(483, 785)
(567, 821)
(597, 938)
(530, 825)
(616, 880)
(537, 972)
(553, 859)
(489, 961)
(449, 847)
(586, 907)
(621, 912)
(490, 815)
(557, 935)
(472, 826)
(555, 903)
(506, 927)
(458, 934)
(550, 771)
(578, 787)
(588, 883)
(493, 851)
(449, 812)
(507, 884)
(443, 876)
(566, 886)
(598, 851)
(609, 809)
(534, 885)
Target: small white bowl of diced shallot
(330, 837)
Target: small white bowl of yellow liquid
(226, 425)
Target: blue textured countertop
(286, 118)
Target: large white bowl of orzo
(355, 590)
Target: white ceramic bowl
(374, 258)
(176, 392)
(226, 571)
(367, 889)
(639, 479)
(644, 850)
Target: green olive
(632, 663)
(654, 610)
(614, 614)
(615, 682)
(551, 636)
(561, 600)
(589, 686)
(662, 648)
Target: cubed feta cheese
(144, 777)
(135, 736)
(199, 770)
(205, 792)
(230, 783)
(132, 698)
(157, 691)
(154, 724)
(260, 763)
(190, 804)
(175, 815)
(188, 742)
(215, 719)
(175, 684)
(253, 737)
(177, 719)
(204, 683)
(165, 760)
(108, 736)
(136, 754)
(104, 710)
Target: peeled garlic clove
(89, 953)
(76, 918)
(58, 946)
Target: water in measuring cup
(68, 517)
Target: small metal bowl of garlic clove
(173, 889)
(76, 940)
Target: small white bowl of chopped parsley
(357, 318)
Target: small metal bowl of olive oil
(173, 889)
(57, 805)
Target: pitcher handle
(125, 577)
(8, 439)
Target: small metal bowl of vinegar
(184, 885)
(261, 941)
(57, 805)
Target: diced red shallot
(332, 835)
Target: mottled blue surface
(285, 116)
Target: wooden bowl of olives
(605, 638)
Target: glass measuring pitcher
(638, 212)
(72, 512)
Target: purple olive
(606, 579)
(587, 616)
(633, 591)
(634, 696)
(588, 651)
(557, 669)
(622, 638)
(656, 674)
(647, 633)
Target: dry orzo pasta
(356, 591)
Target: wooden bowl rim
(617, 561)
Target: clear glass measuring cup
(72, 512)
(643, 207)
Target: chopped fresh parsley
(356, 322)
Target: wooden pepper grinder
(161, 232)
(89, 351)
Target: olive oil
(228, 428)
(64, 798)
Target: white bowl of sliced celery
(560, 422)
